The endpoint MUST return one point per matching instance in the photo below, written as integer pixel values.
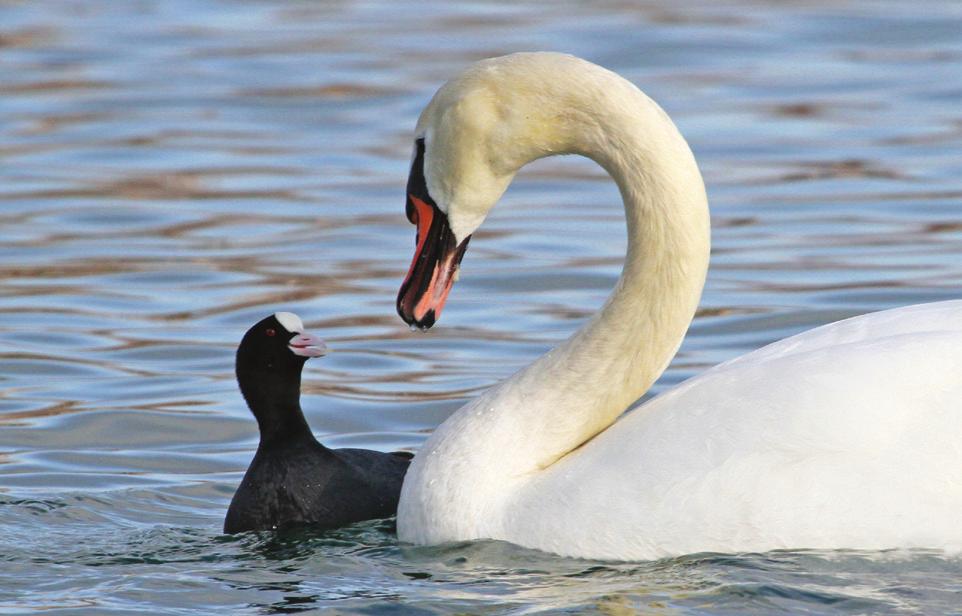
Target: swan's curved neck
(584, 384)
(567, 396)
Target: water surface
(172, 171)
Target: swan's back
(849, 435)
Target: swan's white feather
(846, 436)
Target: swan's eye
(417, 185)
(270, 331)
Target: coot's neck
(275, 403)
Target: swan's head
(471, 139)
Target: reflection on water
(170, 172)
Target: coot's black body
(293, 479)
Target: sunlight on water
(172, 172)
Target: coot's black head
(277, 344)
(269, 362)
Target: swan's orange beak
(434, 267)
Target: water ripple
(171, 172)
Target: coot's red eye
(269, 331)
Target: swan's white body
(846, 436)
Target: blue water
(172, 171)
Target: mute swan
(846, 436)
(293, 479)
